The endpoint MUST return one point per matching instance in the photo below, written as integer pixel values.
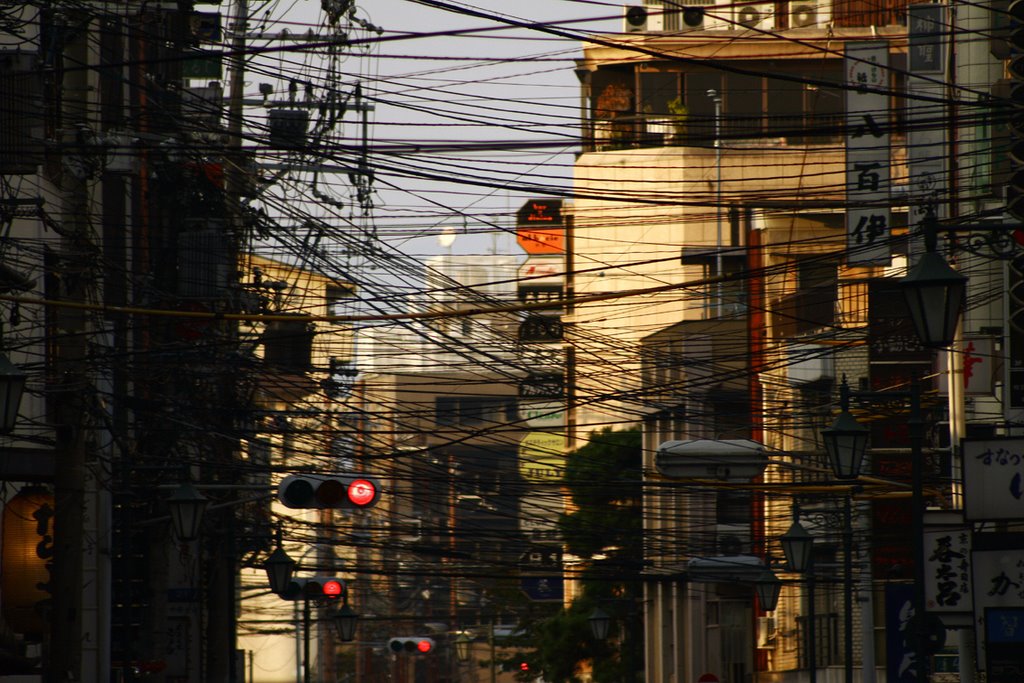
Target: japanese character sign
(867, 154)
(947, 567)
(993, 479)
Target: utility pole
(222, 564)
(63, 656)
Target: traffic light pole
(305, 639)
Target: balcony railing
(640, 131)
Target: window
(471, 411)
(754, 106)
(733, 507)
(657, 90)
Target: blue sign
(543, 588)
(899, 646)
(1004, 625)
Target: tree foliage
(603, 480)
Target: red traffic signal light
(316, 588)
(417, 645)
(343, 491)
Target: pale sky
(437, 76)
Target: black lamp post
(797, 544)
(600, 622)
(768, 587)
(187, 506)
(798, 547)
(462, 643)
(846, 441)
(12, 386)
(279, 567)
(345, 622)
(852, 446)
(935, 293)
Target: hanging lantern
(27, 555)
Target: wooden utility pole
(222, 564)
(63, 656)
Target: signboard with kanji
(998, 584)
(993, 479)
(539, 227)
(926, 35)
(947, 564)
(928, 188)
(867, 153)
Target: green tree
(604, 526)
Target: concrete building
(727, 294)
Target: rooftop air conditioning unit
(809, 13)
(699, 15)
(756, 16)
(639, 19)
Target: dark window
(288, 345)
(742, 107)
(755, 105)
(732, 507)
(470, 411)
(701, 107)
(730, 415)
(657, 89)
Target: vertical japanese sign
(899, 645)
(540, 231)
(947, 564)
(867, 153)
(926, 114)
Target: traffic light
(351, 491)
(415, 645)
(1015, 67)
(317, 588)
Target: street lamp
(600, 622)
(345, 622)
(12, 386)
(798, 547)
(935, 293)
(797, 544)
(462, 643)
(846, 441)
(852, 446)
(768, 587)
(279, 567)
(187, 506)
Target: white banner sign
(868, 176)
(947, 560)
(993, 473)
